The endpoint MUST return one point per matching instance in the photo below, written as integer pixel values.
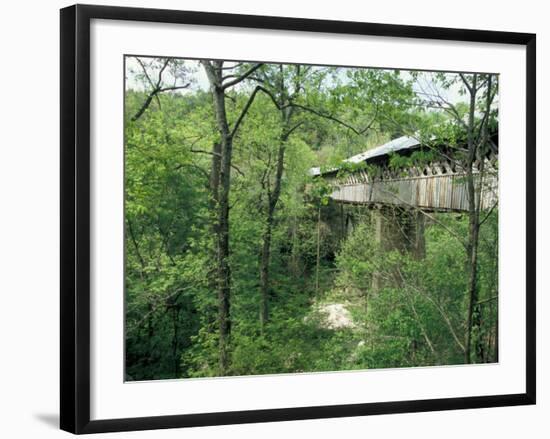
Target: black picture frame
(75, 217)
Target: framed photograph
(273, 218)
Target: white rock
(337, 316)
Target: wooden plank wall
(441, 190)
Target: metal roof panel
(404, 142)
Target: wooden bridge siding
(445, 192)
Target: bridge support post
(418, 239)
(396, 228)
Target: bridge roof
(404, 142)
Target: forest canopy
(260, 240)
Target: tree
(224, 219)
(161, 205)
(153, 78)
(282, 84)
(470, 136)
(298, 91)
(219, 84)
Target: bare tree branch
(162, 71)
(466, 83)
(202, 151)
(192, 165)
(175, 87)
(245, 110)
(357, 131)
(439, 308)
(156, 88)
(145, 72)
(241, 77)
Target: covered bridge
(435, 185)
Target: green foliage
(320, 252)
(420, 299)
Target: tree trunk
(473, 225)
(264, 271)
(473, 293)
(295, 255)
(150, 362)
(175, 344)
(273, 199)
(224, 270)
(214, 182)
(378, 236)
(214, 72)
(318, 258)
(222, 223)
